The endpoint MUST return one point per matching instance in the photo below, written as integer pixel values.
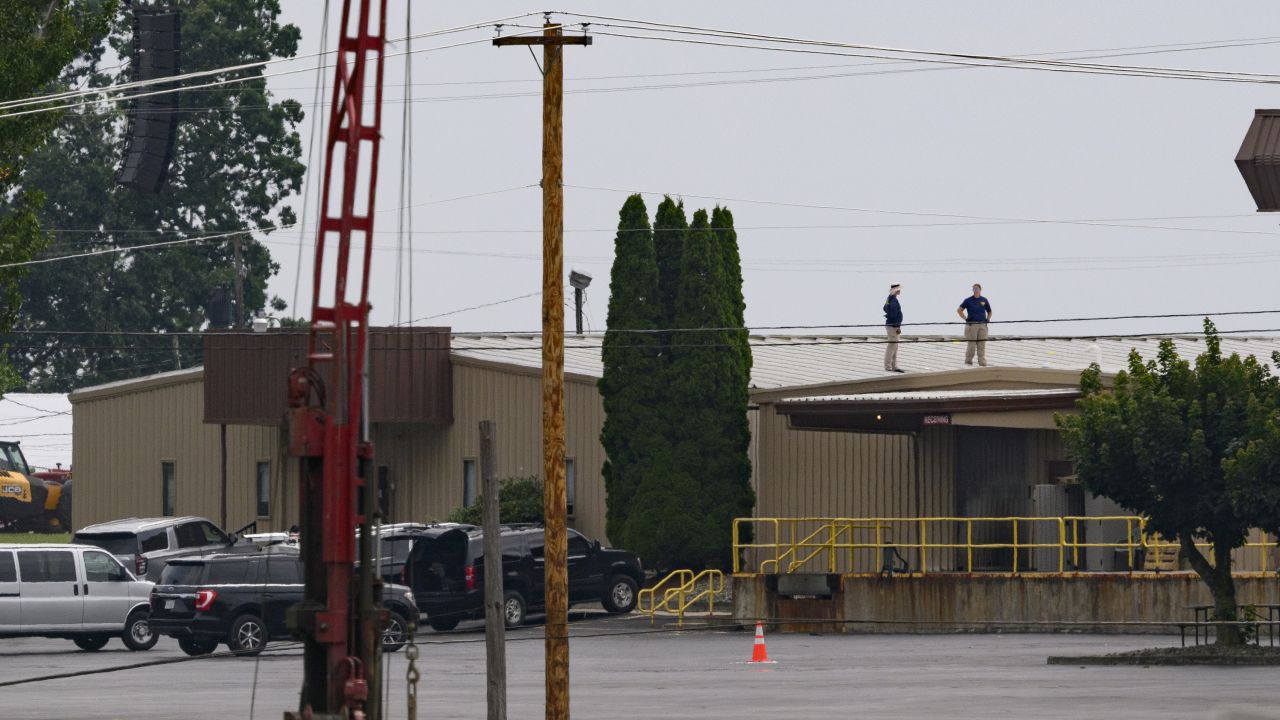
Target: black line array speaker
(153, 122)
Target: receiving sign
(937, 419)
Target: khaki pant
(976, 334)
(891, 347)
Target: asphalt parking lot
(622, 669)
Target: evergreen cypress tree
(669, 230)
(727, 239)
(630, 385)
(707, 398)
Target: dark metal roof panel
(246, 374)
(1259, 160)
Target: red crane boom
(326, 395)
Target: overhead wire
(949, 57)
(232, 233)
(115, 87)
(317, 128)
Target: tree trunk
(1223, 588)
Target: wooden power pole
(495, 650)
(556, 550)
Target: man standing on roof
(892, 328)
(976, 311)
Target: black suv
(241, 600)
(444, 565)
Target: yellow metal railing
(678, 592)
(788, 545)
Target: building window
(468, 482)
(569, 483)
(168, 488)
(264, 488)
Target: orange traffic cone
(759, 653)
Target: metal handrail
(688, 582)
(835, 538)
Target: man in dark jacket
(892, 328)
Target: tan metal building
(833, 434)
(208, 440)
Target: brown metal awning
(1259, 160)
(246, 375)
(913, 411)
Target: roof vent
(1259, 160)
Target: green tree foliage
(669, 229)
(1163, 441)
(519, 501)
(676, 431)
(1253, 473)
(731, 279)
(631, 384)
(236, 162)
(38, 40)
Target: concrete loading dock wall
(966, 603)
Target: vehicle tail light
(139, 566)
(471, 577)
(204, 599)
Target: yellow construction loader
(29, 501)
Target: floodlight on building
(579, 280)
(1259, 160)
(260, 324)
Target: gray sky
(980, 142)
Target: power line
(929, 55)
(219, 236)
(959, 216)
(116, 87)
(643, 331)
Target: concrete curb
(1116, 660)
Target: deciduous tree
(38, 40)
(1163, 441)
(236, 162)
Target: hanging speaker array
(153, 120)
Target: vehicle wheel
(62, 513)
(194, 646)
(396, 632)
(620, 594)
(137, 631)
(248, 635)
(443, 624)
(513, 609)
(91, 643)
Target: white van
(78, 592)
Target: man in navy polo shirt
(975, 310)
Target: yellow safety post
(969, 545)
(1015, 546)
(1062, 550)
(923, 543)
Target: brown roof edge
(946, 379)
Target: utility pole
(495, 637)
(556, 550)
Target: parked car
(146, 545)
(72, 591)
(242, 599)
(444, 565)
